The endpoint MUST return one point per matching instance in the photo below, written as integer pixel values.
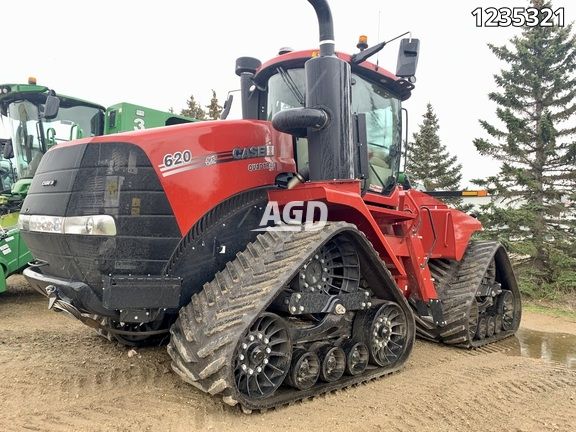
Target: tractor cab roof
(37, 95)
(400, 87)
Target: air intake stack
(326, 117)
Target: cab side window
(383, 128)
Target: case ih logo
(253, 152)
(295, 216)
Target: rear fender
(445, 231)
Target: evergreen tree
(214, 109)
(193, 109)
(428, 162)
(535, 144)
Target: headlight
(84, 225)
(24, 222)
(49, 224)
(90, 225)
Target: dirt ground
(58, 375)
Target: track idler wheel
(305, 369)
(357, 357)
(263, 357)
(384, 329)
(333, 363)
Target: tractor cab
(37, 120)
(374, 103)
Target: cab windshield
(27, 130)
(286, 89)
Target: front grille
(101, 178)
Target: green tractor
(37, 119)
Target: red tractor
(169, 233)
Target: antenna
(378, 38)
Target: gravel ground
(58, 375)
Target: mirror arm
(405, 130)
(41, 135)
(367, 53)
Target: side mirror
(408, 59)
(227, 106)
(7, 149)
(51, 107)
(246, 68)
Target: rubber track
(457, 284)
(204, 337)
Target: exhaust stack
(326, 26)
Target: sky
(157, 54)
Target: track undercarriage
(480, 298)
(295, 315)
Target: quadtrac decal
(175, 163)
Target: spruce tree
(193, 109)
(214, 109)
(428, 163)
(535, 143)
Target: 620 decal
(178, 158)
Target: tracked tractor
(281, 255)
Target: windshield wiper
(291, 84)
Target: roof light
(32, 80)
(362, 42)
